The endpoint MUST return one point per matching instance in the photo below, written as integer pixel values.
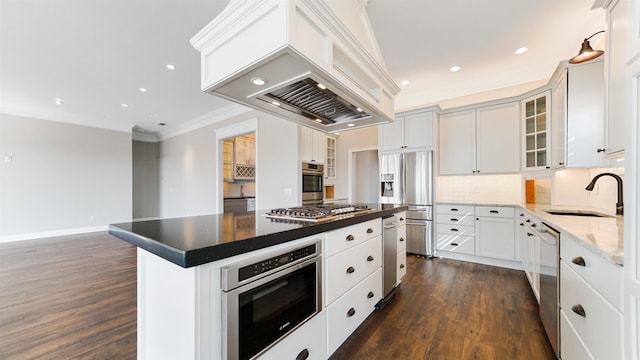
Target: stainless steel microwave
(312, 183)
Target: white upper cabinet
(536, 142)
(480, 140)
(615, 57)
(558, 125)
(585, 115)
(409, 132)
(312, 145)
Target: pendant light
(586, 52)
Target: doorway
(364, 177)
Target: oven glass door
(269, 311)
(311, 183)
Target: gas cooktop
(316, 213)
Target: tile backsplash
(569, 189)
(480, 188)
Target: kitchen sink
(575, 213)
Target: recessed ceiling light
(258, 81)
(322, 86)
(171, 67)
(351, 125)
(521, 50)
(143, 90)
(404, 82)
(454, 68)
(59, 101)
(124, 105)
(275, 103)
(318, 120)
(358, 109)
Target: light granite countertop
(602, 235)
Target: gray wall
(62, 176)
(146, 179)
(189, 166)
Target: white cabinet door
(585, 115)
(457, 135)
(495, 238)
(305, 143)
(615, 57)
(559, 122)
(536, 142)
(418, 131)
(319, 147)
(391, 136)
(498, 138)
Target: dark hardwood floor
(71, 297)
(74, 297)
(448, 309)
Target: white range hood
(315, 62)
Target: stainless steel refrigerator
(408, 179)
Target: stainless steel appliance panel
(418, 178)
(419, 237)
(420, 212)
(312, 183)
(550, 284)
(389, 253)
(391, 179)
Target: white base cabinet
(495, 232)
(308, 340)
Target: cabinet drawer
(601, 327)
(454, 219)
(348, 312)
(402, 218)
(462, 230)
(401, 263)
(402, 238)
(572, 347)
(495, 211)
(454, 209)
(456, 243)
(311, 336)
(604, 276)
(348, 268)
(342, 239)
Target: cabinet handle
(579, 261)
(369, 258)
(454, 209)
(401, 266)
(369, 231)
(561, 164)
(578, 309)
(370, 295)
(528, 220)
(351, 312)
(601, 150)
(533, 225)
(350, 238)
(401, 239)
(454, 219)
(529, 234)
(452, 229)
(521, 224)
(401, 219)
(494, 211)
(350, 270)
(304, 354)
(521, 214)
(454, 244)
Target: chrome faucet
(619, 204)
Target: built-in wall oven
(267, 297)
(312, 180)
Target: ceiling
(95, 55)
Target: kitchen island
(181, 261)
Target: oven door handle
(280, 273)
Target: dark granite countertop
(197, 240)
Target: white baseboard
(48, 234)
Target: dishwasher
(389, 259)
(550, 283)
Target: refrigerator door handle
(421, 223)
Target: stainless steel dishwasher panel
(389, 253)
(550, 284)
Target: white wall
(364, 138)
(569, 189)
(56, 178)
(507, 188)
(189, 167)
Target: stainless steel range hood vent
(314, 101)
(256, 53)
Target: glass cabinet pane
(541, 141)
(531, 142)
(530, 108)
(531, 159)
(541, 122)
(541, 105)
(531, 125)
(541, 158)
(535, 128)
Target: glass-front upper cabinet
(536, 127)
(330, 167)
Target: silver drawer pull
(578, 309)
(350, 270)
(351, 312)
(350, 238)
